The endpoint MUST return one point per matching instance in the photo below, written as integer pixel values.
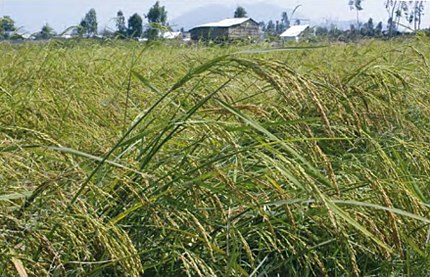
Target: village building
(227, 29)
(171, 35)
(294, 33)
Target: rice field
(127, 159)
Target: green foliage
(368, 28)
(135, 26)
(285, 21)
(46, 33)
(157, 14)
(7, 27)
(270, 28)
(120, 23)
(378, 29)
(7, 24)
(88, 25)
(157, 20)
(354, 33)
(217, 162)
(240, 12)
(273, 30)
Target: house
(227, 29)
(294, 33)
(26, 36)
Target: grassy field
(123, 159)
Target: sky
(31, 15)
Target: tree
(88, 25)
(7, 27)
(262, 26)
(321, 31)
(278, 27)
(352, 34)
(283, 24)
(120, 23)
(157, 14)
(391, 26)
(419, 12)
(285, 20)
(157, 20)
(240, 12)
(271, 28)
(378, 29)
(395, 10)
(135, 27)
(334, 33)
(46, 33)
(391, 7)
(356, 5)
(413, 11)
(368, 29)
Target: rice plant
(121, 159)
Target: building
(227, 29)
(171, 35)
(25, 36)
(294, 33)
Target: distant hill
(259, 12)
(199, 16)
(210, 13)
(340, 24)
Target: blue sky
(60, 14)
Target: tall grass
(128, 160)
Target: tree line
(156, 23)
(134, 27)
(411, 11)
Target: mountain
(216, 12)
(340, 24)
(201, 15)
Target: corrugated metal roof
(225, 23)
(294, 31)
